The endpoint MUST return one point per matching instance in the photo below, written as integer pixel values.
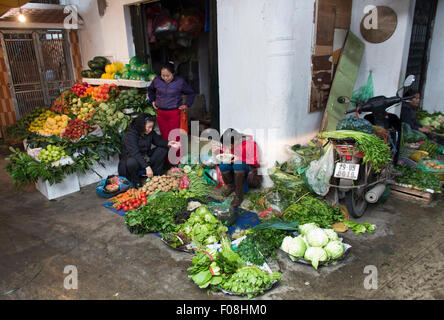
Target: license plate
(347, 171)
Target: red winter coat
(248, 152)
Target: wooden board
(411, 194)
(343, 14)
(344, 81)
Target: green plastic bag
(365, 92)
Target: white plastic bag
(320, 171)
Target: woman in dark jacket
(165, 93)
(138, 153)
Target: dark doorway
(193, 53)
(423, 20)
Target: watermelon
(95, 65)
(86, 73)
(101, 60)
(151, 76)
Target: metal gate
(39, 67)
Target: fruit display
(161, 183)
(54, 125)
(108, 115)
(37, 123)
(62, 103)
(103, 92)
(80, 88)
(134, 98)
(135, 70)
(111, 69)
(76, 129)
(97, 67)
(83, 110)
(51, 154)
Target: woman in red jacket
(165, 94)
(242, 171)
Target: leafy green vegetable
(418, 178)
(360, 228)
(310, 209)
(228, 260)
(203, 227)
(157, 216)
(250, 280)
(376, 151)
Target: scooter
(356, 183)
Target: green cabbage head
(334, 249)
(316, 238)
(315, 255)
(305, 228)
(331, 234)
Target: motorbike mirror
(409, 81)
(344, 99)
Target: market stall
(76, 141)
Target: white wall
(433, 91)
(109, 35)
(387, 60)
(264, 71)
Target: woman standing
(165, 94)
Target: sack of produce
(411, 135)
(112, 186)
(356, 124)
(320, 171)
(223, 211)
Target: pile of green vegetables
(310, 209)
(430, 147)
(203, 228)
(227, 270)
(418, 178)
(355, 124)
(157, 215)
(376, 151)
(24, 169)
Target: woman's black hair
(230, 135)
(141, 120)
(169, 66)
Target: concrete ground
(407, 251)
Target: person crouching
(143, 150)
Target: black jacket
(408, 115)
(136, 145)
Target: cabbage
(297, 247)
(425, 122)
(334, 249)
(316, 238)
(315, 255)
(285, 246)
(435, 123)
(331, 234)
(303, 229)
